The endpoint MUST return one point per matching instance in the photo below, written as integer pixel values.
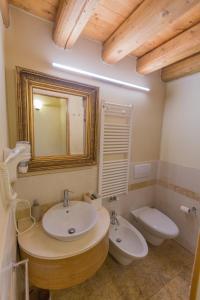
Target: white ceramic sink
(69, 223)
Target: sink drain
(118, 240)
(71, 230)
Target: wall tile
(186, 177)
(134, 199)
(169, 202)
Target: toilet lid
(158, 221)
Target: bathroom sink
(69, 223)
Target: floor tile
(161, 295)
(163, 275)
(177, 289)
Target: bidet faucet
(113, 218)
(66, 200)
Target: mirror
(59, 118)
(64, 134)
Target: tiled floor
(163, 275)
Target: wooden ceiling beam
(45, 9)
(182, 68)
(4, 8)
(176, 49)
(150, 25)
(71, 19)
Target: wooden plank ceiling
(159, 33)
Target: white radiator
(116, 121)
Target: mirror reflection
(59, 123)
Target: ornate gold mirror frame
(27, 80)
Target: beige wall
(7, 232)
(29, 44)
(3, 114)
(181, 122)
(3, 122)
(3, 127)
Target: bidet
(126, 242)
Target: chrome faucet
(113, 218)
(66, 200)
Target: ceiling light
(38, 104)
(100, 77)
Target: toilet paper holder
(193, 210)
(188, 210)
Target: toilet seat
(156, 221)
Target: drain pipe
(25, 263)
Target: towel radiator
(116, 123)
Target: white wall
(7, 233)
(181, 122)
(180, 156)
(29, 44)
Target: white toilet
(126, 242)
(154, 225)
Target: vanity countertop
(37, 243)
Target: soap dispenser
(36, 210)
